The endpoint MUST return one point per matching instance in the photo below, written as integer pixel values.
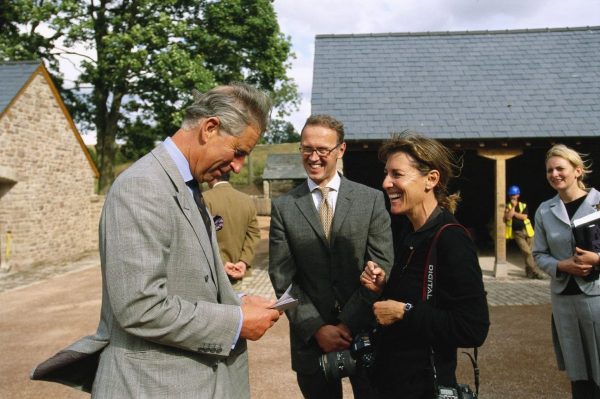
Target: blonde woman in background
(575, 288)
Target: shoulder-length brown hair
(427, 154)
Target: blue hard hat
(514, 190)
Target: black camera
(460, 392)
(336, 365)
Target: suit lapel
(559, 211)
(342, 208)
(187, 205)
(305, 204)
(589, 204)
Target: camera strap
(429, 282)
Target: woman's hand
(581, 264)
(388, 312)
(584, 257)
(373, 277)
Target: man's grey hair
(237, 105)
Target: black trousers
(418, 386)
(315, 386)
(585, 389)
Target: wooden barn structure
(499, 98)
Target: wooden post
(500, 156)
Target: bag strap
(428, 287)
(431, 261)
(473, 359)
(475, 369)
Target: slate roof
(461, 85)
(284, 167)
(13, 76)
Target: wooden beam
(500, 156)
(499, 153)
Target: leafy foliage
(140, 60)
(280, 131)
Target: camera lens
(336, 365)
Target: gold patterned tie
(325, 211)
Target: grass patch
(258, 158)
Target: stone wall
(52, 210)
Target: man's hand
(373, 277)
(332, 338)
(258, 301)
(257, 318)
(235, 270)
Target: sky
(303, 19)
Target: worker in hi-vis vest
(519, 228)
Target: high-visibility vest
(527, 222)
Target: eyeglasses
(322, 152)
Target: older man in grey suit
(322, 234)
(171, 325)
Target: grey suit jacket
(169, 315)
(325, 276)
(554, 240)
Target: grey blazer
(169, 315)
(325, 276)
(554, 240)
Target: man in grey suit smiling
(322, 234)
(171, 325)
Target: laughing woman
(575, 288)
(417, 172)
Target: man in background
(171, 324)
(519, 228)
(234, 214)
(322, 234)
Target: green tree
(147, 57)
(280, 131)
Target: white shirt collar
(334, 183)
(219, 183)
(183, 166)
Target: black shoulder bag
(462, 391)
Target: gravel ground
(42, 311)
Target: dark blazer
(325, 275)
(456, 316)
(169, 315)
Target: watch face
(407, 307)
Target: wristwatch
(407, 307)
